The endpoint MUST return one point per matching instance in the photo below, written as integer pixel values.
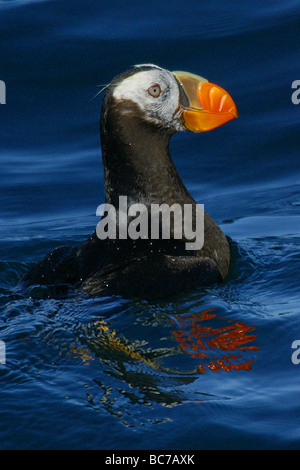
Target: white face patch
(160, 108)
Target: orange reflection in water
(200, 340)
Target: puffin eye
(154, 90)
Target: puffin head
(142, 108)
(174, 101)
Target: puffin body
(141, 110)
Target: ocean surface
(209, 369)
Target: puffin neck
(136, 157)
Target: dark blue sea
(212, 368)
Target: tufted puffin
(142, 108)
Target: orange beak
(204, 105)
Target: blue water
(208, 369)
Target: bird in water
(142, 109)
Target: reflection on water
(219, 343)
(136, 373)
(202, 338)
